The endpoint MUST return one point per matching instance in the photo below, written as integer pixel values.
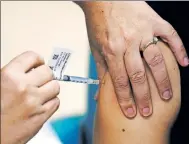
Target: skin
(117, 31)
(28, 97)
(111, 126)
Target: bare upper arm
(110, 121)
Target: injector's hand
(28, 97)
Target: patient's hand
(111, 127)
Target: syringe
(79, 80)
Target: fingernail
(167, 94)
(146, 111)
(186, 61)
(130, 111)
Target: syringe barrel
(79, 79)
(75, 79)
(66, 78)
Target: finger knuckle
(30, 53)
(131, 36)
(163, 83)
(173, 32)
(34, 56)
(7, 73)
(49, 72)
(138, 77)
(57, 103)
(110, 49)
(124, 99)
(145, 98)
(121, 83)
(22, 88)
(113, 48)
(182, 48)
(30, 103)
(54, 106)
(156, 60)
(56, 87)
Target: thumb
(101, 67)
(107, 92)
(169, 35)
(100, 63)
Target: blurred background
(40, 27)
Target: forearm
(106, 7)
(89, 4)
(97, 17)
(95, 9)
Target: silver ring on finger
(153, 41)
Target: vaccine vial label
(58, 61)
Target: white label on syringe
(59, 61)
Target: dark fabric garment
(177, 14)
